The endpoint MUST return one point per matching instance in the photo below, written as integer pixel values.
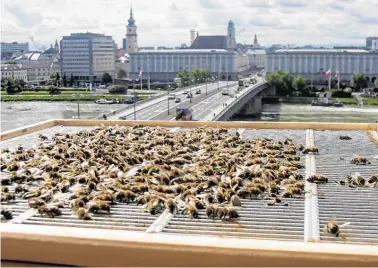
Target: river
(18, 114)
(307, 113)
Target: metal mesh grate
(357, 206)
(122, 217)
(256, 218)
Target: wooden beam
(91, 247)
(26, 130)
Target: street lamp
(168, 88)
(78, 104)
(190, 90)
(148, 71)
(134, 100)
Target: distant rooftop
(181, 51)
(11, 67)
(323, 50)
(256, 51)
(210, 42)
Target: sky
(167, 22)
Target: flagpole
(338, 81)
(329, 80)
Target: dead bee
(4, 189)
(300, 146)
(254, 192)
(170, 204)
(231, 213)
(318, 179)
(360, 160)
(333, 228)
(64, 186)
(154, 206)
(344, 137)
(124, 196)
(49, 210)
(36, 202)
(243, 193)
(7, 214)
(77, 203)
(6, 197)
(98, 205)
(311, 149)
(19, 188)
(288, 141)
(208, 199)
(373, 179)
(277, 201)
(357, 180)
(221, 212)
(143, 199)
(235, 201)
(191, 211)
(220, 196)
(82, 214)
(211, 211)
(42, 137)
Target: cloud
(167, 22)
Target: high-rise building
(87, 56)
(7, 49)
(131, 35)
(369, 41)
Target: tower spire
(131, 20)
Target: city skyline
(168, 23)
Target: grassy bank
(351, 101)
(63, 97)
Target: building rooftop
(322, 50)
(12, 68)
(256, 51)
(210, 42)
(181, 51)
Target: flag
(337, 74)
(328, 73)
(140, 71)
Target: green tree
(72, 81)
(12, 86)
(282, 81)
(376, 83)
(64, 80)
(359, 81)
(53, 90)
(106, 78)
(185, 76)
(121, 73)
(299, 83)
(22, 83)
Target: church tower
(231, 41)
(131, 35)
(56, 46)
(255, 42)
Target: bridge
(248, 102)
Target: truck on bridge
(243, 82)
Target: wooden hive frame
(93, 247)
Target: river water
(308, 113)
(18, 114)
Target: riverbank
(64, 97)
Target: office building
(164, 64)
(369, 41)
(314, 63)
(7, 49)
(87, 56)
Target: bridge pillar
(254, 106)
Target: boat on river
(326, 102)
(104, 101)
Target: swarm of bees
(359, 160)
(181, 172)
(357, 180)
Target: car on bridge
(189, 95)
(198, 91)
(178, 100)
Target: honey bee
(344, 137)
(21, 188)
(191, 211)
(220, 196)
(311, 149)
(358, 180)
(77, 203)
(331, 227)
(4, 189)
(82, 214)
(254, 192)
(49, 210)
(300, 146)
(360, 160)
(170, 204)
(98, 205)
(36, 202)
(124, 196)
(64, 186)
(154, 206)
(211, 211)
(42, 137)
(373, 179)
(143, 199)
(7, 214)
(317, 179)
(6, 197)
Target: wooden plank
(26, 130)
(234, 124)
(91, 247)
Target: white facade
(257, 58)
(166, 63)
(87, 56)
(14, 71)
(312, 64)
(243, 63)
(131, 35)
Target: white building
(40, 66)
(257, 58)
(87, 56)
(164, 64)
(131, 35)
(14, 71)
(313, 63)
